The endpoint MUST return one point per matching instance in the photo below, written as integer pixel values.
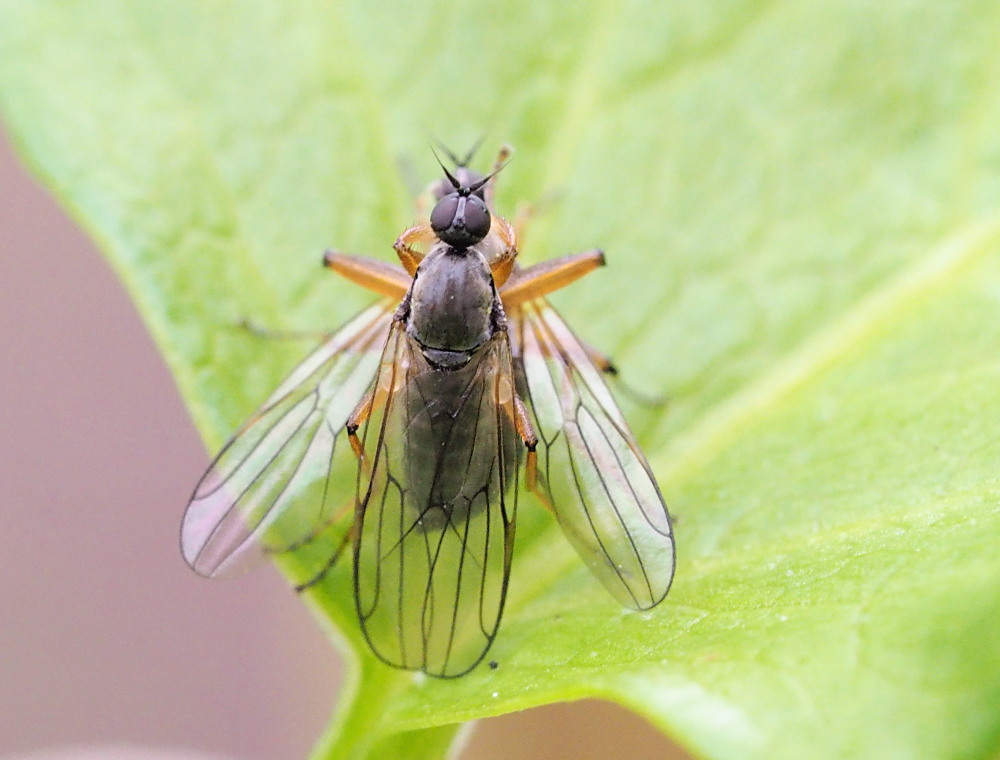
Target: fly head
(461, 218)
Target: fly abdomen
(461, 448)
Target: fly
(457, 379)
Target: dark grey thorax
(453, 305)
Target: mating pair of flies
(461, 374)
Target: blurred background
(105, 635)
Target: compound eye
(477, 217)
(444, 214)
(460, 220)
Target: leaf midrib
(822, 349)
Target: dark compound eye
(444, 212)
(477, 216)
(460, 220)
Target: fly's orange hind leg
(522, 423)
(358, 417)
(541, 279)
(375, 398)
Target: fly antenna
(472, 151)
(461, 162)
(448, 154)
(451, 178)
(491, 175)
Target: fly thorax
(451, 305)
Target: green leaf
(799, 203)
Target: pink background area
(105, 635)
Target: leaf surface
(799, 207)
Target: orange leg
(361, 413)
(601, 361)
(379, 276)
(543, 278)
(502, 265)
(522, 423)
(503, 156)
(409, 256)
(375, 398)
(503, 268)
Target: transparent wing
(590, 467)
(435, 522)
(266, 491)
